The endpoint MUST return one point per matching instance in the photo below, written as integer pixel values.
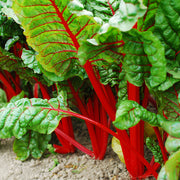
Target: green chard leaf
(144, 59)
(34, 114)
(121, 14)
(29, 59)
(155, 149)
(31, 144)
(168, 102)
(101, 10)
(148, 20)
(104, 48)
(172, 144)
(129, 113)
(171, 170)
(167, 29)
(53, 32)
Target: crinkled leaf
(155, 149)
(100, 9)
(29, 59)
(31, 144)
(104, 48)
(169, 82)
(121, 14)
(167, 27)
(168, 102)
(122, 92)
(54, 32)
(127, 15)
(35, 114)
(144, 59)
(129, 113)
(109, 74)
(148, 20)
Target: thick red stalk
(108, 106)
(15, 81)
(123, 141)
(7, 84)
(136, 140)
(90, 127)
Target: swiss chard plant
(99, 61)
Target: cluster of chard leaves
(62, 36)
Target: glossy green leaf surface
(121, 14)
(100, 9)
(127, 15)
(129, 113)
(148, 20)
(106, 47)
(31, 144)
(172, 144)
(54, 32)
(172, 166)
(29, 59)
(35, 114)
(167, 26)
(144, 59)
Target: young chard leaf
(54, 32)
(31, 144)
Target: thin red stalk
(161, 144)
(75, 143)
(97, 118)
(123, 141)
(107, 106)
(16, 84)
(90, 127)
(99, 91)
(137, 142)
(7, 84)
(36, 90)
(104, 134)
(44, 92)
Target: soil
(77, 166)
